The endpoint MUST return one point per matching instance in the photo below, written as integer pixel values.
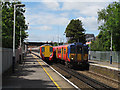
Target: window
(59, 51)
(79, 49)
(51, 49)
(72, 49)
(64, 51)
(85, 50)
(43, 49)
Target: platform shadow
(27, 84)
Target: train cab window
(51, 49)
(85, 50)
(79, 49)
(72, 49)
(43, 49)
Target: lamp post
(13, 62)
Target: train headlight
(51, 54)
(71, 58)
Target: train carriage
(78, 54)
(72, 54)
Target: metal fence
(105, 56)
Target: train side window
(59, 50)
(51, 49)
(64, 51)
(43, 49)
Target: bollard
(20, 59)
(110, 59)
(13, 65)
(23, 56)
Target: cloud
(83, 8)
(42, 28)
(68, 0)
(89, 23)
(49, 16)
(46, 19)
(52, 5)
(42, 37)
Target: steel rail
(89, 81)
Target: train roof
(72, 44)
(85, 45)
(75, 44)
(46, 45)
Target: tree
(75, 32)
(7, 24)
(110, 18)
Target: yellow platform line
(48, 74)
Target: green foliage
(75, 31)
(110, 17)
(7, 24)
(55, 44)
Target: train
(75, 54)
(46, 51)
(72, 55)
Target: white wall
(7, 55)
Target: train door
(47, 50)
(62, 53)
(57, 53)
(85, 53)
(79, 55)
(66, 54)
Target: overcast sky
(48, 19)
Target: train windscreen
(85, 50)
(51, 49)
(79, 49)
(43, 49)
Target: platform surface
(33, 73)
(114, 66)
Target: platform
(105, 68)
(114, 66)
(35, 74)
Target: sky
(48, 19)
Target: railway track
(89, 81)
(85, 79)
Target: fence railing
(104, 56)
